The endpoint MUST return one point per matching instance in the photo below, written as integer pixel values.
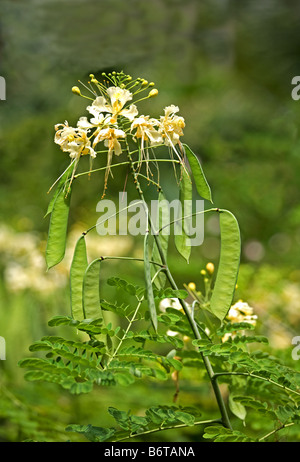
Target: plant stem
(254, 376)
(130, 258)
(126, 332)
(193, 324)
(276, 430)
(115, 165)
(171, 427)
(130, 322)
(186, 216)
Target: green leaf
(219, 434)
(77, 271)
(184, 417)
(62, 321)
(170, 293)
(249, 401)
(121, 417)
(225, 283)
(149, 288)
(163, 216)
(57, 234)
(233, 327)
(40, 346)
(237, 408)
(131, 289)
(182, 241)
(91, 326)
(164, 415)
(250, 339)
(91, 291)
(45, 365)
(199, 177)
(124, 378)
(285, 413)
(81, 387)
(93, 434)
(122, 310)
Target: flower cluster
(114, 118)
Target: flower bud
(153, 92)
(210, 268)
(76, 91)
(192, 286)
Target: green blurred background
(228, 65)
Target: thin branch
(131, 259)
(276, 430)
(171, 427)
(187, 216)
(124, 163)
(254, 376)
(111, 216)
(126, 332)
(128, 327)
(149, 180)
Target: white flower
(95, 122)
(170, 303)
(241, 312)
(110, 137)
(118, 98)
(73, 140)
(171, 126)
(171, 333)
(145, 130)
(76, 142)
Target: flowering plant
(199, 329)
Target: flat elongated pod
(181, 238)
(162, 216)
(91, 291)
(149, 288)
(77, 271)
(57, 235)
(227, 274)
